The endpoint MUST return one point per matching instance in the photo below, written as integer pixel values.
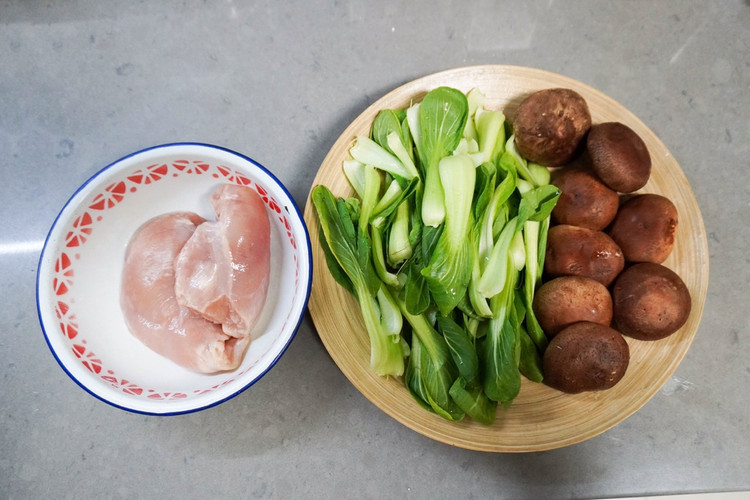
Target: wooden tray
(540, 418)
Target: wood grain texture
(540, 418)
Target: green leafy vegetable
(449, 268)
(443, 247)
(399, 243)
(500, 348)
(490, 131)
(474, 402)
(369, 152)
(435, 370)
(442, 117)
(461, 348)
(351, 250)
(386, 122)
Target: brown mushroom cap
(550, 124)
(585, 200)
(644, 228)
(619, 156)
(586, 357)
(650, 302)
(563, 301)
(579, 251)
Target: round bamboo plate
(540, 418)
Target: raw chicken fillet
(193, 290)
(150, 306)
(223, 270)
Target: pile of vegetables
(443, 246)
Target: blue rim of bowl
(281, 352)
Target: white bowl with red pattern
(79, 276)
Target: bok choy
(443, 247)
(350, 251)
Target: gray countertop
(83, 83)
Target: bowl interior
(80, 273)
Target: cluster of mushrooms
(604, 272)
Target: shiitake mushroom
(585, 357)
(579, 251)
(560, 302)
(550, 124)
(644, 228)
(649, 302)
(619, 157)
(585, 201)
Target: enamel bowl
(79, 275)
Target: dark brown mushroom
(585, 201)
(649, 302)
(644, 228)
(619, 156)
(550, 124)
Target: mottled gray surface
(83, 83)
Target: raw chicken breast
(150, 307)
(223, 270)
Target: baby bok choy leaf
(530, 362)
(491, 133)
(348, 213)
(541, 201)
(369, 152)
(382, 222)
(424, 240)
(472, 400)
(461, 347)
(449, 268)
(350, 249)
(500, 349)
(386, 122)
(391, 131)
(442, 116)
(399, 243)
(413, 377)
(431, 371)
